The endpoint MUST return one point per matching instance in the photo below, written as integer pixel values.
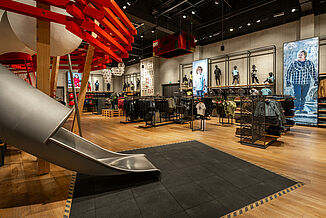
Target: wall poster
(200, 77)
(147, 77)
(301, 64)
(77, 79)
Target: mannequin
(132, 86)
(89, 88)
(218, 74)
(190, 79)
(138, 83)
(254, 75)
(108, 86)
(185, 80)
(236, 76)
(270, 79)
(97, 85)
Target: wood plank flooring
(301, 155)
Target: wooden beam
(54, 76)
(43, 68)
(83, 87)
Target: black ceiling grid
(203, 19)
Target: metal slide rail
(32, 121)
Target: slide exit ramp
(32, 121)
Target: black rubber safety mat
(196, 181)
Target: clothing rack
(255, 128)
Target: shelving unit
(252, 127)
(322, 105)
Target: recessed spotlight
(240, 27)
(124, 7)
(231, 29)
(184, 16)
(141, 36)
(193, 12)
(293, 10)
(258, 21)
(210, 36)
(128, 3)
(217, 2)
(153, 31)
(248, 24)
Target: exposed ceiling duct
(306, 5)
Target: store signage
(301, 64)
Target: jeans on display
(300, 93)
(255, 79)
(200, 93)
(236, 78)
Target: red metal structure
(114, 31)
(78, 58)
(174, 45)
(20, 63)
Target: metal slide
(32, 121)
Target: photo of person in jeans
(200, 82)
(301, 74)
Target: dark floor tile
(87, 214)
(112, 197)
(147, 189)
(217, 187)
(158, 204)
(240, 179)
(261, 190)
(280, 182)
(190, 195)
(127, 208)
(236, 200)
(179, 215)
(219, 169)
(83, 204)
(212, 209)
(174, 178)
(196, 172)
(163, 164)
(258, 172)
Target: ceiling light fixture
(240, 27)
(248, 24)
(231, 29)
(184, 16)
(280, 14)
(153, 31)
(128, 3)
(141, 36)
(258, 21)
(293, 10)
(124, 7)
(217, 2)
(193, 12)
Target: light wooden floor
(301, 154)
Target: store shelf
(322, 104)
(322, 111)
(289, 116)
(324, 125)
(322, 118)
(273, 136)
(289, 125)
(323, 74)
(242, 86)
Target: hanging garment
(322, 89)
(266, 91)
(201, 108)
(229, 108)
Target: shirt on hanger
(201, 108)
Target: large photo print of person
(301, 60)
(200, 74)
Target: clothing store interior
(151, 108)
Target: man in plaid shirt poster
(301, 74)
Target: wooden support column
(54, 76)
(84, 83)
(43, 69)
